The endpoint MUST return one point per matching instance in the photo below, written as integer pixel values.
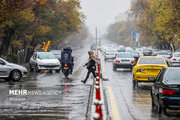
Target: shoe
(83, 81)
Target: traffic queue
(149, 65)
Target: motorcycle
(66, 70)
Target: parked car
(175, 59)
(147, 66)
(44, 61)
(110, 54)
(57, 54)
(165, 91)
(124, 60)
(10, 71)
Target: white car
(44, 61)
(10, 71)
(110, 54)
(165, 54)
(124, 60)
(57, 54)
(175, 59)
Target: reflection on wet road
(49, 95)
(132, 104)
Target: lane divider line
(114, 108)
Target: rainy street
(51, 95)
(89, 59)
(130, 104)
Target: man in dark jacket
(91, 66)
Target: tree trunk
(9, 32)
(29, 54)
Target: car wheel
(105, 59)
(154, 107)
(114, 68)
(58, 70)
(159, 108)
(30, 67)
(130, 68)
(50, 71)
(15, 75)
(7, 79)
(37, 69)
(135, 84)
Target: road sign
(135, 36)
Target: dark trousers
(90, 71)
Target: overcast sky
(101, 13)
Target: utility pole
(96, 41)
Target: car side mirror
(151, 79)
(3, 63)
(34, 57)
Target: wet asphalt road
(50, 95)
(131, 104)
(53, 97)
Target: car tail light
(169, 92)
(132, 61)
(65, 65)
(118, 61)
(174, 59)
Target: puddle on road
(71, 102)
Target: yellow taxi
(146, 67)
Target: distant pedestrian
(91, 66)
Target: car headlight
(140, 70)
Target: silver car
(10, 71)
(44, 61)
(165, 54)
(124, 60)
(175, 59)
(110, 54)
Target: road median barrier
(98, 107)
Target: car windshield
(172, 76)
(163, 53)
(46, 55)
(176, 55)
(135, 54)
(147, 50)
(151, 61)
(56, 52)
(111, 50)
(124, 55)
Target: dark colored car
(122, 49)
(136, 55)
(165, 91)
(147, 52)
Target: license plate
(65, 68)
(152, 70)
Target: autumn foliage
(158, 22)
(25, 24)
